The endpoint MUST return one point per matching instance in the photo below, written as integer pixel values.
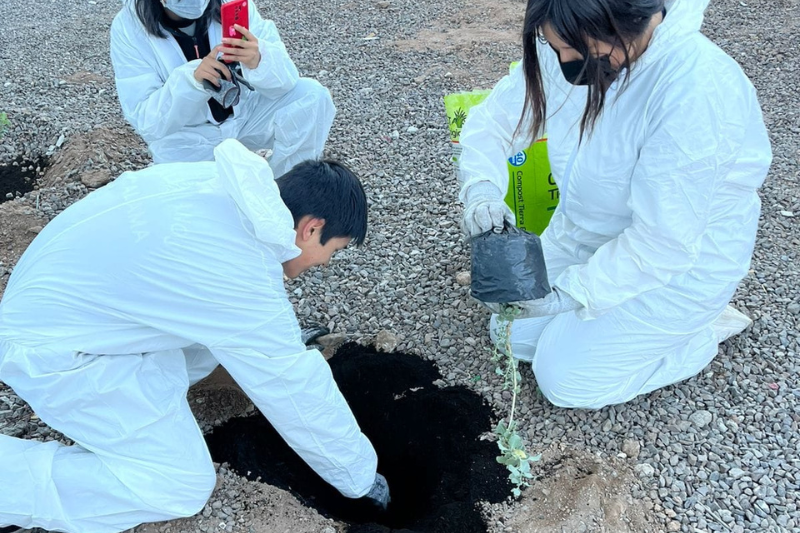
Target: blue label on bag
(518, 160)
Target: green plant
(512, 450)
(4, 123)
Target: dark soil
(427, 440)
(18, 177)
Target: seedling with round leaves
(512, 449)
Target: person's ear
(310, 227)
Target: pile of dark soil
(427, 440)
(19, 176)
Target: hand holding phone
(244, 50)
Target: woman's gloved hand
(485, 210)
(555, 303)
(379, 493)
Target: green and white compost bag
(532, 193)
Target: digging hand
(379, 493)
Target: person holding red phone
(167, 54)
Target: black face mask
(576, 74)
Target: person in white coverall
(657, 144)
(141, 289)
(163, 50)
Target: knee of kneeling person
(313, 90)
(184, 494)
(566, 388)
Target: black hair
(330, 191)
(151, 13)
(616, 22)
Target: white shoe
(731, 322)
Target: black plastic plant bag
(508, 267)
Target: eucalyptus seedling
(512, 450)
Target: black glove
(378, 495)
(227, 94)
(312, 332)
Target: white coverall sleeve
(488, 135)
(154, 108)
(276, 73)
(487, 139)
(294, 388)
(693, 142)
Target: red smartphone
(234, 12)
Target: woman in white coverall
(162, 50)
(138, 291)
(657, 144)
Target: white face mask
(188, 9)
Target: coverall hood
(249, 180)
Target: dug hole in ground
(435, 447)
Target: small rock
(674, 526)
(794, 308)
(383, 5)
(35, 229)
(644, 470)
(332, 339)
(465, 278)
(631, 448)
(412, 129)
(330, 343)
(95, 179)
(736, 473)
(701, 418)
(385, 341)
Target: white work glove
(378, 495)
(555, 303)
(484, 210)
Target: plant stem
(513, 366)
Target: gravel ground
(719, 452)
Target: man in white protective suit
(141, 289)
(658, 146)
(163, 51)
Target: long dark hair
(616, 22)
(151, 12)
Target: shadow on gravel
(427, 440)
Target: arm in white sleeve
(488, 138)
(297, 394)
(154, 107)
(276, 73)
(695, 138)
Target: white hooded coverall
(124, 300)
(169, 108)
(657, 216)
